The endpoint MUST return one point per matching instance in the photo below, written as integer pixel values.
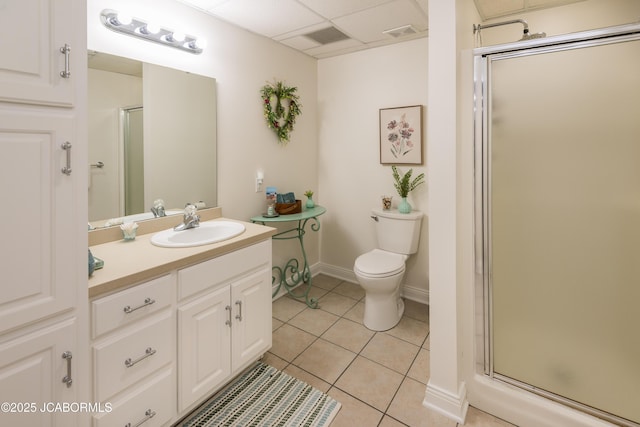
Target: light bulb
(123, 19)
(179, 37)
(150, 29)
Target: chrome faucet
(158, 208)
(190, 218)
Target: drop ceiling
(324, 28)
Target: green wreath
(280, 119)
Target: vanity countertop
(127, 263)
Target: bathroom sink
(206, 233)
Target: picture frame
(401, 135)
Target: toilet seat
(379, 263)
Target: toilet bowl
(380, 274)
(380, 271)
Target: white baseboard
(452, 406)
(407, 291)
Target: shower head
(526, 35)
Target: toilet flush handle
(375, 218)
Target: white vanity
(171, 326)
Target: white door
(33, 32)
(32, 370)
(204, 334)
(251, 298)
(39, 230)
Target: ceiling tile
(203, 4)
(333, 8)
(333, 47)
(493, 8)
(300, 42)
(267, 17)
(368, 25)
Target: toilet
(380, 271)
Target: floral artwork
(401, 135)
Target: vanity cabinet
(161, 347)
(224, 320)
(43, 268)
(133, 354)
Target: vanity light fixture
(125, 24)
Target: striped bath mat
(266, 397)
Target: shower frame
(482, 58)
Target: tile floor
(379, 377)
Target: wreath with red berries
(281, 107)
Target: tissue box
(289, 208)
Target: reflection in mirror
(154, 130)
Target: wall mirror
(152, 135)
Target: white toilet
(380, 271)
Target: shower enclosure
(558, 218)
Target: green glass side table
(297, 275)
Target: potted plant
(310, 203)
(404, 185)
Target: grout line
(358, 354)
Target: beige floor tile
(370, 382)
(391, 352)
(275, 324)
(336, 303)
(325, 360)
(351, 290)
(427, 343)
(314, 321)
(273, 360)
(356, 313)
(411, 330)
(314, 292)
(420, 370)
(416, 310)
(407, 407)
(325, 282)
(285, 309)
(289, 342)
(478, 418)
(353, 412)
(308, 378)
(350, 335)
(387, 421)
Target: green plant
(403, 183)
(308, 193)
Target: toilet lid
(380, 263)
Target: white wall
(453, 313)
(241, 63)
(351, 90)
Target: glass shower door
(562, 196)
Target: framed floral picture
(401, 135)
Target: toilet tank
(398, 232)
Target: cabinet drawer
(153, 401)
(130, 356)
(221, 270)
(127, 306)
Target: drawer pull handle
(228, 322)
(147, 353)
(148, 415)
(147, 301)
(67, 378)
(239, 315)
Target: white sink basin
(208, 232)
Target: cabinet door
(204, 334)
(251, 297)
(33, 31)
(38, 216)
(31, 377)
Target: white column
(446, 391)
